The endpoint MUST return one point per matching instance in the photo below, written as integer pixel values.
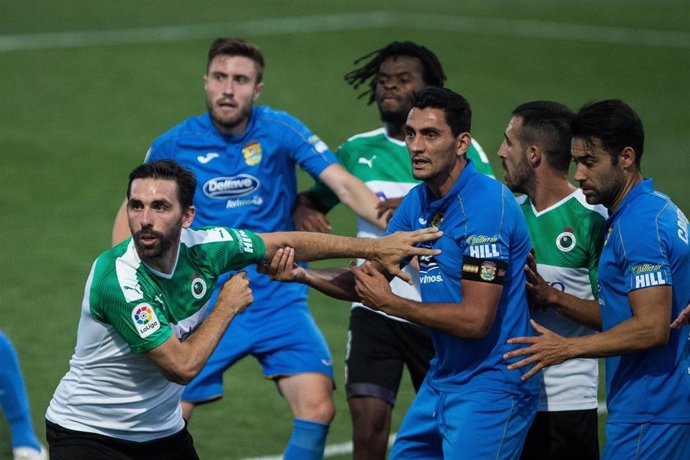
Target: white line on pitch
(350, 21)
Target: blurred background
(85, 86)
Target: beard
(394, 117)
(163, 242)
(228, 122)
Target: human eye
(242, 79)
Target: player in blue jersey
(644, 277)
(244, 158)
(473, 293)
(15, 405)
(379, 346)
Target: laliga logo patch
(145, 320)
(252, 153)
(198, 287)
(488, 270)
(566, 240)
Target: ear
(462, 143)
(205, 82)
(626, 157)
(188, 217)
(257, 91)
(534, 155)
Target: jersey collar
(644, 187)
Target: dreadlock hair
(433, 71)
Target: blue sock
(13, 398)
(308, 440)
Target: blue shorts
(465, 425)
(285, 343)
(638, 441)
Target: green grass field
(85, 86)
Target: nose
(228, 87)
(414, 144)
(502, 150)
(146, 217)
(579, 175)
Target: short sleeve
(644, 253)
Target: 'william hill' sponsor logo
(647, 275)
(230, 187)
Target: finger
(522, 363)
(403, 275)
(518, 340)
(537, 367)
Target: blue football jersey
(646, 245)
(248, 181)
(483, 228)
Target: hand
(546, 349)
(371, 286)
(388, 206)
(307, 218)
(538, 290)
(235, 293)
(683, 318)
(393, 248)
(282, 267)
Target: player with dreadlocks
(380, 346)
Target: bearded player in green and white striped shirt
(143, 331)
(566, 234)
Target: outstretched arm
(647, 328)
(354, 194)
(387, 251)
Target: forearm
(334, 282)
(585, 312)
(353, 193)
(630, 336)
(179, 361)
(452, 318)
(318, 246)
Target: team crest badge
(198, 287)
(566, 240)
(437, 220)
(488, 270)
(252, 153)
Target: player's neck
(396, 131)
(547, 190)
(164, 263)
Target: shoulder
(115, 279)
(192, 131)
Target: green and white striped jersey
(567, 239)
(128, 308)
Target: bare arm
(353, 193)
(121, 227)
(649, 327)
(387, 251)
(471, 318)
(179, 361)
(542, 295)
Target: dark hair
(167, 170)
(432, 70)
(237, 47)
(455, 107)
(614, 124)
(547, 124)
